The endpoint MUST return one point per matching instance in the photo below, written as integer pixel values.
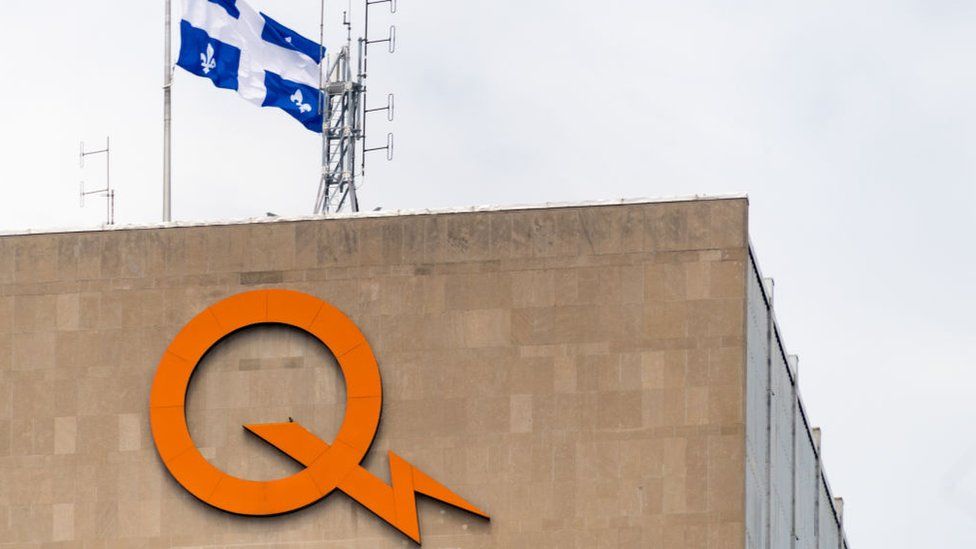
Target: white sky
(850, 125)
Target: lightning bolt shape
(396, 503)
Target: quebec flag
(240, 49)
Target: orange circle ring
(168, 399)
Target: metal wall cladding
(788, 505)
(828, 531)
(806, 487)
(757, 413)
(781, 450)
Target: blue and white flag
(264, 61)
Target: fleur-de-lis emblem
(207, 60)
(299, 100)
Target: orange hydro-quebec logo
(327, 466)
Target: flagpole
(167, 115)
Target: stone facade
(577, 372)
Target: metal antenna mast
(108, 193)
(344, 118)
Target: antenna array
(345, 115)
(108, 193)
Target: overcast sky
(850, 124)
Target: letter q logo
(327, 466)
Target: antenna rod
(354, 102)
(364, 58)
(109, 193)
(323, 64)
(167, 114)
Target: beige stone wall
(577, 372)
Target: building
(606, 375)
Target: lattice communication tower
(344, 117)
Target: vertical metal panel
(776, 465)
(757, 418)
(781, 456)
(806, 487)
(829, 528)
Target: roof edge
(375, 214)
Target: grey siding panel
(806, 487)
(829, 538)
(776, 464)
(781, 464)
(757, 418)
